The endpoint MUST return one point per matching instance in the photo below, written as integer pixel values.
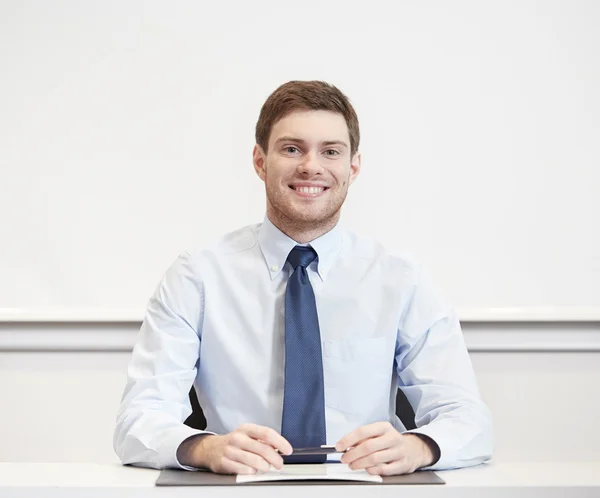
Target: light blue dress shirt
(216, 321)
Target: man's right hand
(246, 450)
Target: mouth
(308, 191)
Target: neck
(302, 232)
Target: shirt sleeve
(437, 377)
(161, 372)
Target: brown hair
(305, 95)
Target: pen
(324, 449)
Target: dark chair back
(404, 411)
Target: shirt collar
(276, 245)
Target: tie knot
(301, 256)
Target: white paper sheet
(328, 471)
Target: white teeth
(310, 190)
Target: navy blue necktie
(303, 423)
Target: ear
(259, 160)
(355, 165)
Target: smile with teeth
(312, 191)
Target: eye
(332, 152)
(290, 149)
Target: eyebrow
(300, 141)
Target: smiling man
(307, 169)
(298, 333)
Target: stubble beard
(282, 213)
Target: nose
(310, 165)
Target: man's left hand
(381, 449)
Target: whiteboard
(127, 128)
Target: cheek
(277, 171)
(341, 180)
(275, 181)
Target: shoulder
(395, 263)
(199, 260)
(236, 241)
(201, 255)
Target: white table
(83, 480)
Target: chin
(309, 218)
(303, 214)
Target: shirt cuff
(447, 459)
(171, 441)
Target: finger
(391, 469)
(374, 459)
(260, 448)
(367, 447)
(245, 457)
(362, 433)
(376, 470)
(229, 466)
(269, 436)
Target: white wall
(61, 406)
(127, 130)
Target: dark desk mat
(173, 477)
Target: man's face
(308, 166)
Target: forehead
(312, 126)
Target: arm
(161, 371)
(150, 431)
(435, 372)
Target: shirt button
(274, 268)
